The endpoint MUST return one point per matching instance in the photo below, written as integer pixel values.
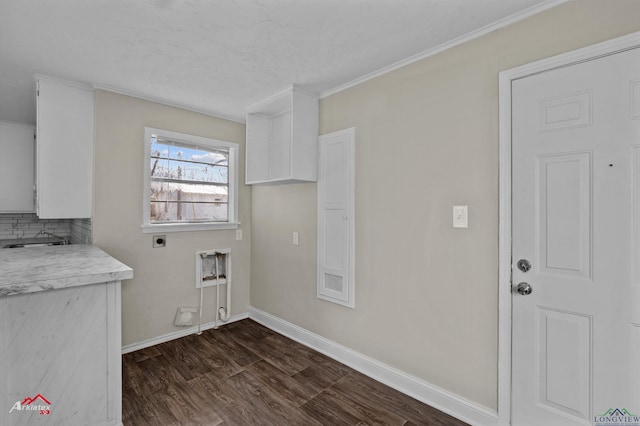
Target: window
(189, 182)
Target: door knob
(524, 289)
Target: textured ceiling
(219, 56)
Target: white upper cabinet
(64, 149)
(16, 167)
(282, 135)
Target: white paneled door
(336, 211)
(576, 243)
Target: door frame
(505, 78)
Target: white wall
(164, 278)
(426, 139)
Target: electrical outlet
(159, 241)
(295, 239)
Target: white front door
(576, 222)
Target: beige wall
(164, 278)
(426, 139)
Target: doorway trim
(505, 79)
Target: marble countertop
(33, 269)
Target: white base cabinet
(64, 149)
(60, 336)
(62, 347)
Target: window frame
(232, 197)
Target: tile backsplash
(81, 231)
(28, 225)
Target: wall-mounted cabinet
(282, 137)
(64, 149)
(16, 167)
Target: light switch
(460, 216)
(296, 241)
(238, 234)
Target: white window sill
(185, 227)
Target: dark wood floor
(246, 374)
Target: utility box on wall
(212, 267)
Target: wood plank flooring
(245, 374)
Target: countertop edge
(66, 266)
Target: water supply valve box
(212, 267)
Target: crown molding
(511, 19)
(167, 102)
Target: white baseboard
(421, 390)
(178, 334)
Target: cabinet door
(64, 150)
(16, 168)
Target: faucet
(65, 240)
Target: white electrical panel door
(336, 242)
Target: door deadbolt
(524, 265)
